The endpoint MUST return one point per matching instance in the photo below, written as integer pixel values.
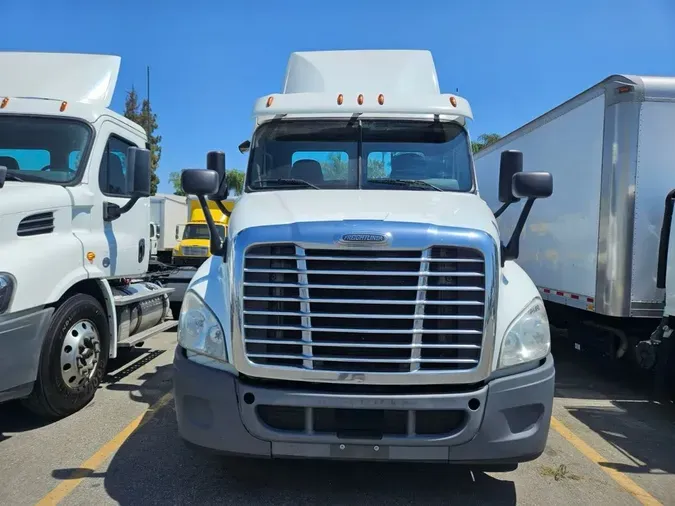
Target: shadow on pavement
(643, 431)
(155, 467)
(618, 404)
(15, 418)
(582, 375)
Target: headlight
(528, 337)
(7, 284)
(198, 328)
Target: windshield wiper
(283, 182)
(407, 182)
(13, 177)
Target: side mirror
(177, 234)
(215, 161)
(244, 147)
(199, 182)
(511, 163)
(138, 171)
(3, 175)
(202, 182)
(137, 181)
(532, 185)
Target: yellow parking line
(624, 481)
(92, 463)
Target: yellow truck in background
(193, 247)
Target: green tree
(376, 169)
(144, 116)
(483, 141)
(335, 167)
(235, 181)
(174, 179)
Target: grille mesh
(364, 310)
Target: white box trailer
(168, 212)
(592, 248)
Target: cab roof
(38, 83)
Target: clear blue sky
(210, 60)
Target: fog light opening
(249, 398)
(474, 404)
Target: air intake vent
(36, 224)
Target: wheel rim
(80, 354)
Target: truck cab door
(127, 238)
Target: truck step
(123, 300)
(146, 334)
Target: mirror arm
(112, 211)
(131, 203)
(216, 244)
(222, 208)
(499, 211)
(512, 249)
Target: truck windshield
(41, 149)
(371, 154)
(201, 231)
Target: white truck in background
(597, 249)
(352, 311)
(74, 235)
(167, 213)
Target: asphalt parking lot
(609, 444)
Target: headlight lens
(7, 285)
(198, 328)
(528, 337)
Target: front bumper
(21, 337)
(505, 421)
(185, 261)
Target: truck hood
(18, 197)
(292, 206)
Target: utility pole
(148, 95)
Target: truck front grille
(194, 251)
(364, 310)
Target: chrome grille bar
(305, 320)
(419, 311)
(351, 287)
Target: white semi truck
(597, 250)
(74, 234)
(352, 311)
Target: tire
(78, 337)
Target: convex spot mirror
(532, 185)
